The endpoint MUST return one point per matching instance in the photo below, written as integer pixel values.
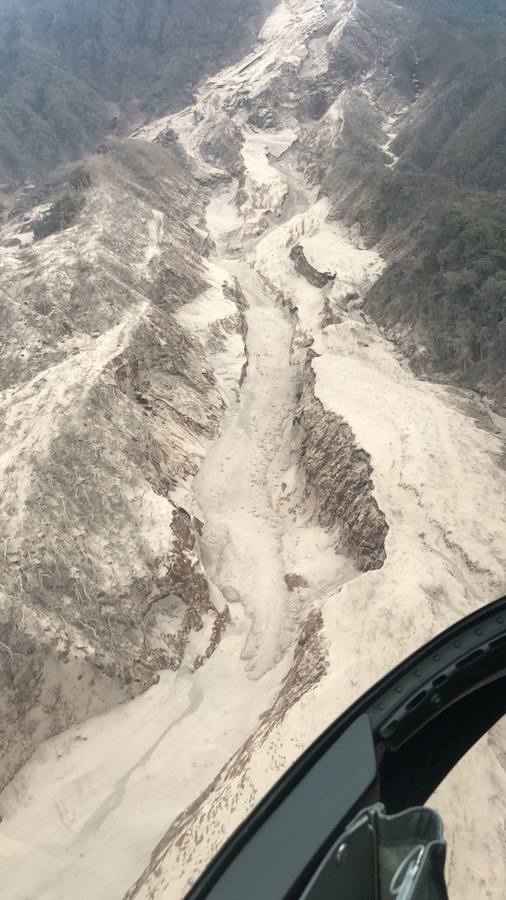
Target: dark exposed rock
(304, 268)
(329, 315)
(222, 147)
(294, 581)
(340, 474)
(169, 136)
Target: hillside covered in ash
(252, 396)
(107, 403)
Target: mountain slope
(221, 480)
(70, 73)
(106, 403)
(274, 508)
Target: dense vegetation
(451, 280)
(442, 210)
(70, 71)
(462, 135)
(475, 12)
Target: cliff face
(341, 476)
(304, 268)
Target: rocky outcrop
(303, 267)
(340, 474)
(221, 146)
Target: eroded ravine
(242, 531)
(250, 489)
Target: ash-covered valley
(239, 482)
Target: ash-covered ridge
(108, 404)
